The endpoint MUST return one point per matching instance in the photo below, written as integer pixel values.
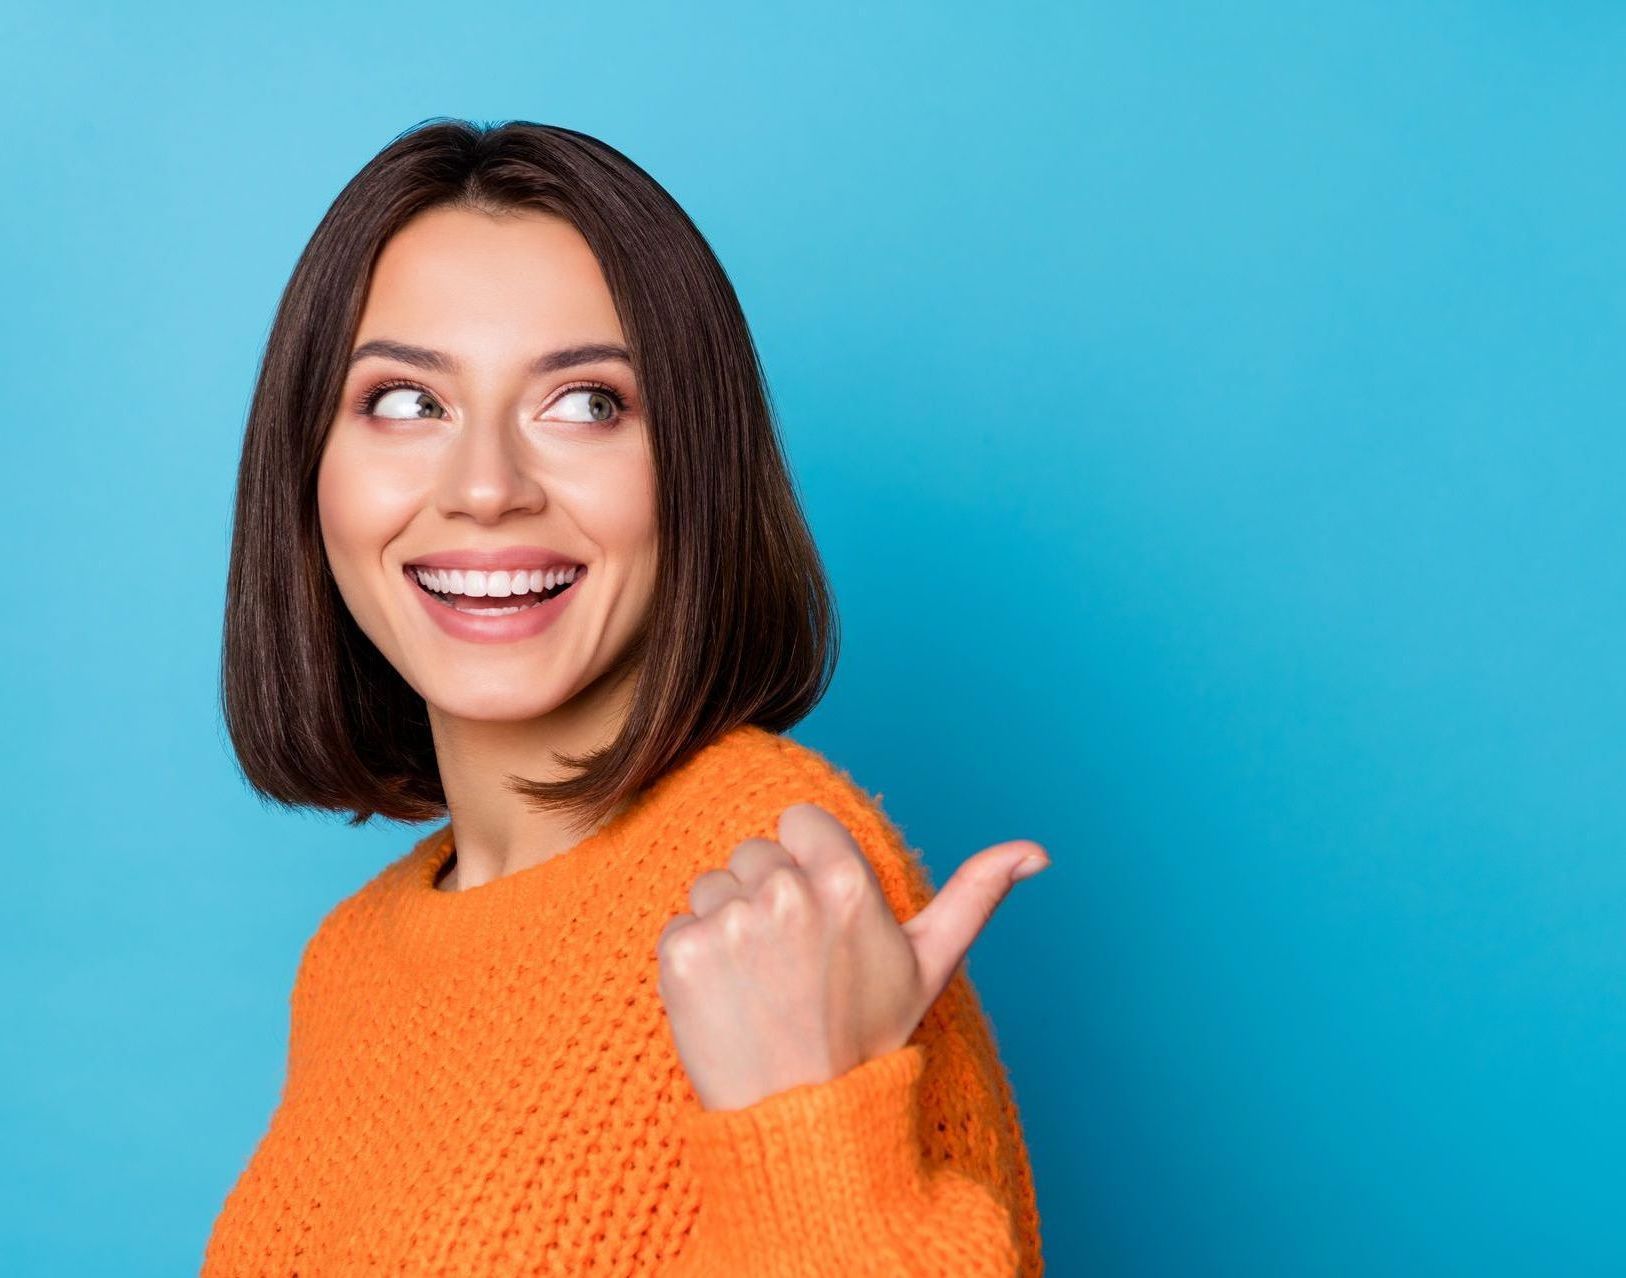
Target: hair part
(741, 628)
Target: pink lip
(525, 557)
(473, 628)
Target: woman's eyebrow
(440, 362)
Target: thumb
(943, 931)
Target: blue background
(1212, 419)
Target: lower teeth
(496, 612)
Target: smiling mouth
(496, 605)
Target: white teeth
(498, 584)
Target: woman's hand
(792, 969)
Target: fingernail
(1028, 868)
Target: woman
(668, 994)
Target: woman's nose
(488, 475)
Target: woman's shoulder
(752, 761)
(374, 896)
(757, 774)
(345, 947)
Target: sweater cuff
(819, 1166)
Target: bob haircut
(741, 628)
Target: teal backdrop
(1212, 420)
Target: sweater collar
(597, 867)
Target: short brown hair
(742, 626)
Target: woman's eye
(411, 403)
(597, 405)
(405, 402)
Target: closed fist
(791, 967)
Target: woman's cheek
(616, 497)
(365, 497)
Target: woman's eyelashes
(390, 401)
(371, 399)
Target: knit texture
(483, 1083)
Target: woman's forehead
(486, 288)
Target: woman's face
(464, 432)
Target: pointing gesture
(791, 967)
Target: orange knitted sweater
(483, 1083)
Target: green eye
(405, 402)
(601, 404)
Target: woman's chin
(493, 704)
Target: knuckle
(706, 884)
(679, 954)
(674, 925)
(787, 892)
(847, 881)
(751, 853)
(734, 918)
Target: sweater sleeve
(912, 1163)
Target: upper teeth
(496, 585)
